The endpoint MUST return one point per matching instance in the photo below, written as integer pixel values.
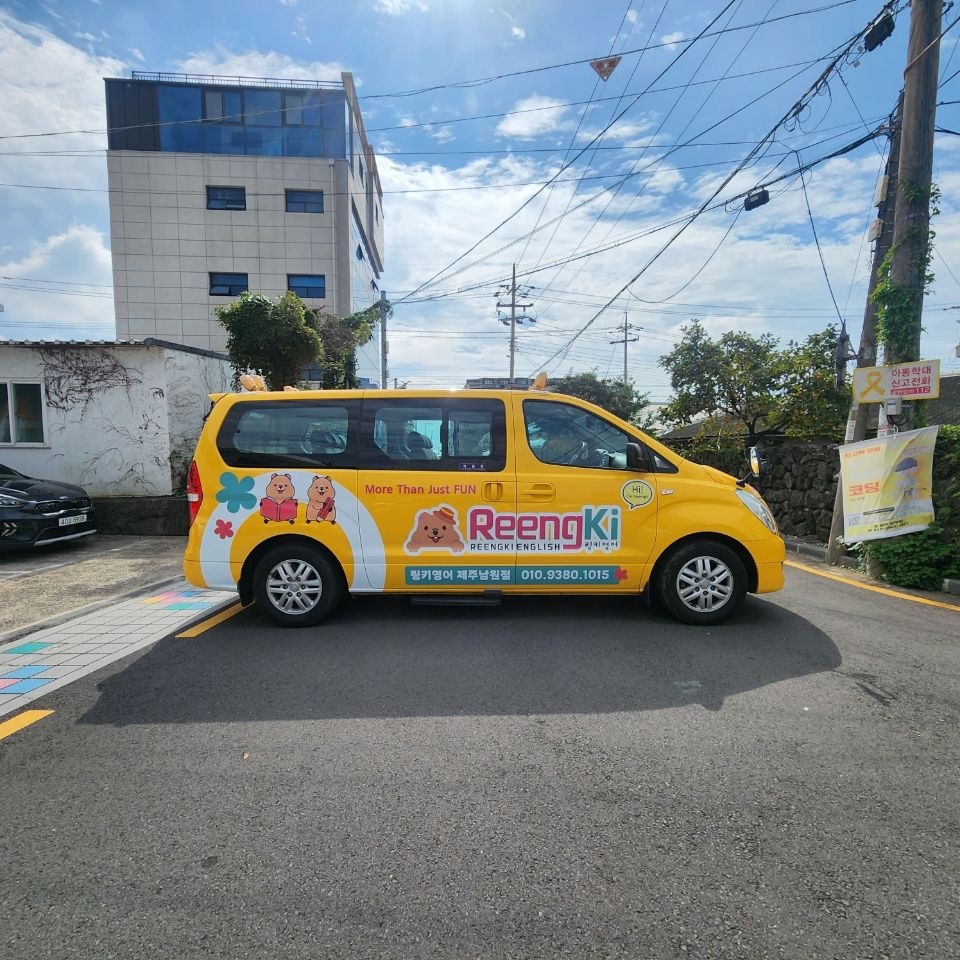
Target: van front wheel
(296, 586)
(702, 582)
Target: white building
(120, 419)
(221, 185)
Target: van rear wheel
(296, 586)
(702, 582)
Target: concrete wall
(120, 420)
(165, 242)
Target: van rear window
(288, 433)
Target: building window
(293, 109)
(226, 198)
(304, 201)
(223, 106)
(307, 286)
(360, 169)
(21, 413)
(228, 284)
(359, 252)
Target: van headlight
(758, 508)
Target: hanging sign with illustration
(887, 485)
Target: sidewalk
(70, 610)
(53, 584)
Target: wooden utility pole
(867, 354)
(909, 195)
(908, 263)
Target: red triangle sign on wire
(605, 67)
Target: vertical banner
(887, 485)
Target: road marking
(205, 625)
(871, 587)
(22, 720)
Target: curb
(818, 551)
(18, 632)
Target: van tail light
(194, 491)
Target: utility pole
(908, 263)
(514, 319)
(909, 195)
(867, 354)
(626, 330)
(384, 379)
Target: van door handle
(539, 491)
(492, 492)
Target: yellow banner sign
(887, 485)
(919, 380)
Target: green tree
(810, 405)
(748, 382)
(341, 336)
(275, 338)
(615, 396)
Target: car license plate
(69, 521)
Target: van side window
(560, 434)
(288, 434)
(454, 434)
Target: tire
(701, 582)
(296, 586)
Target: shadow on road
(385, 658)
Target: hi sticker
(637, 493)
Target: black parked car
(36, 512)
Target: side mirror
(638, 458)
(755, 465)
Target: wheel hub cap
(294, 586)
(704, 584)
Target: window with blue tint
(303, 142)
(312, 110)
(228, 284)
(222, 105)
(179, 113)
(224, 138)
(226, 198)
(293, 109)
(261, 108)
(304, 201)
(307, 286)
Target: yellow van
(297, 497)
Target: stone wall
(798, 481)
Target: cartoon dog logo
(279, 503)
(435, 530)
(320, 501)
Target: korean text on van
(299, 497)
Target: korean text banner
(887, 485)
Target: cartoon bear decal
(279, 503)
(435, 530)
(320, 501)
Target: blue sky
(473, 108)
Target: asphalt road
(549, 778)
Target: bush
(923, 560)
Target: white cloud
(672, 39)
(137, 54)
(518, 32)
(532, 117)
(397, 8)
(259, 63)
(80, 260)
(300, 29)
(632, 16)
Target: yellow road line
(871, 587)
(205, 625)
(22, 720)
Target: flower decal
(236, 493)
(620, 574)
(223, 529)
